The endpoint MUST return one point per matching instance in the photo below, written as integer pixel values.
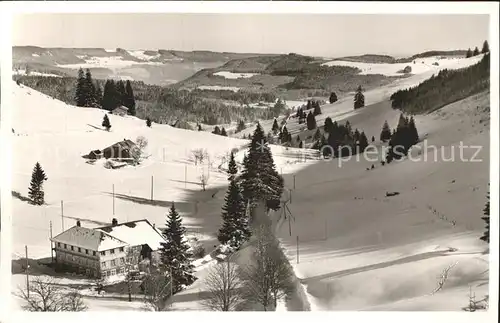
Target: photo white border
(306, 7)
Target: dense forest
(166, 105)
(445, 88)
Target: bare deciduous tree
(156, 291)
(269, 277)
(138, 151)
(204, 177)
(199, 155)
(224, 287)
(74, 302)
(45, 296)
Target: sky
(310, 34)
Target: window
(59, 244)
(72, 248)
(87, 251)
(112, 251)
(103, 253)
(121, 249)
(65, 246)
(113, 263)
(94, 253)
(122, 270)
(103, 264)
(113, 272)
(122, 260)
(79, 249)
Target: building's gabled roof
(92, 239)
(121, 107)
(136, 233)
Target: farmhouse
(122, 150)
(109, 250)
(120, 111)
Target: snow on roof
(89, 239)
(136, 233)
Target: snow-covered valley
(351, 246)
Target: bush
(199, 251)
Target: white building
(107, 251)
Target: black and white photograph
(251, 161)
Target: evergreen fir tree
(309, 105)
(284, 135)
(328, 125)
(386, 132)
(486, 47)
(90, 91)
(235, 230)
(317, 108)
(333, 97)
(276, 127)
(129, 99)
(373, 138)
(223, 132)
(413, 132)
(110, 97)
(232, 168)
(174, 253)
(486, 218)
(359, 98)
(216, 130)
(363, 141)
(476, 52)
(105, 122)
(311, 121)
(200, 129)
(241, 126)
(35, 192)
(148, 122)
(468, 54)
(80, 94)
(301, 144)
(260, 180)
(98, 95)
(121, 93)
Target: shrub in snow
(199, 251)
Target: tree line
(484, 50)
(445, 88)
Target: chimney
(114, 222)
(78, 224)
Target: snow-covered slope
(418, 66)
(57, 135)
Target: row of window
(113, 272)
(77, 260)
(72, 248)
(113, 262)
(112, 251)
(87, 251)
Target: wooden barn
(121, 150)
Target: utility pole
(326, 229)
(62, 215)
(185, 174)
(27, 272)
(113, 199)
(293, 181)
(297, 249)
(51, 249)
(151, 187)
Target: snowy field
(343, 108)
(218, 88)
(58, 137)
(361, 250)
(140, 54)
(34, 73)
(419, 66)
(233, 76)
(111, 62)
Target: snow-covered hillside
(57, 135)
(418, 66)
(343, 108)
